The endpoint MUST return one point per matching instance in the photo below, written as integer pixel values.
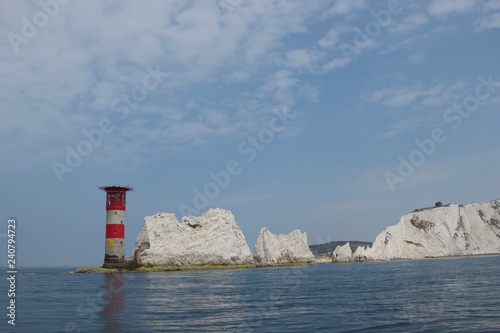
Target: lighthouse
(114, 255)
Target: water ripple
(454, 294)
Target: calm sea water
(441, 295)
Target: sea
(433, 295)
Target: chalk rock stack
(213, 239)
(343, 253)
(450, 230)
(272, 250)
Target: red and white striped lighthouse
(116, 201)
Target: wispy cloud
(416, 59)
(345, 7)
(236, 63)
(334, 36)
(492, 5)
(91, 53)
(411, 122)
(444, 7)
(409, 107)
(410, 23)
(489, 22)
(302, 59)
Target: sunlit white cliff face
(282, 249)
(441, 231)
(213, 238)
(342, 253)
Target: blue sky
(335, 117)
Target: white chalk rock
(213, 238)
(282, 249)
(343, 253)
(360, 254)
(441, 231)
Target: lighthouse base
(124, 264)
(115, 262)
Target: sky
(333, 117)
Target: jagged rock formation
(360, 254)
(323, 252)
(342, 253)
(271, 250)
(441, 231)
(212, 239)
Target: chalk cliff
(343, 253)
(273, 250)
(441, 231)
(213, 238)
